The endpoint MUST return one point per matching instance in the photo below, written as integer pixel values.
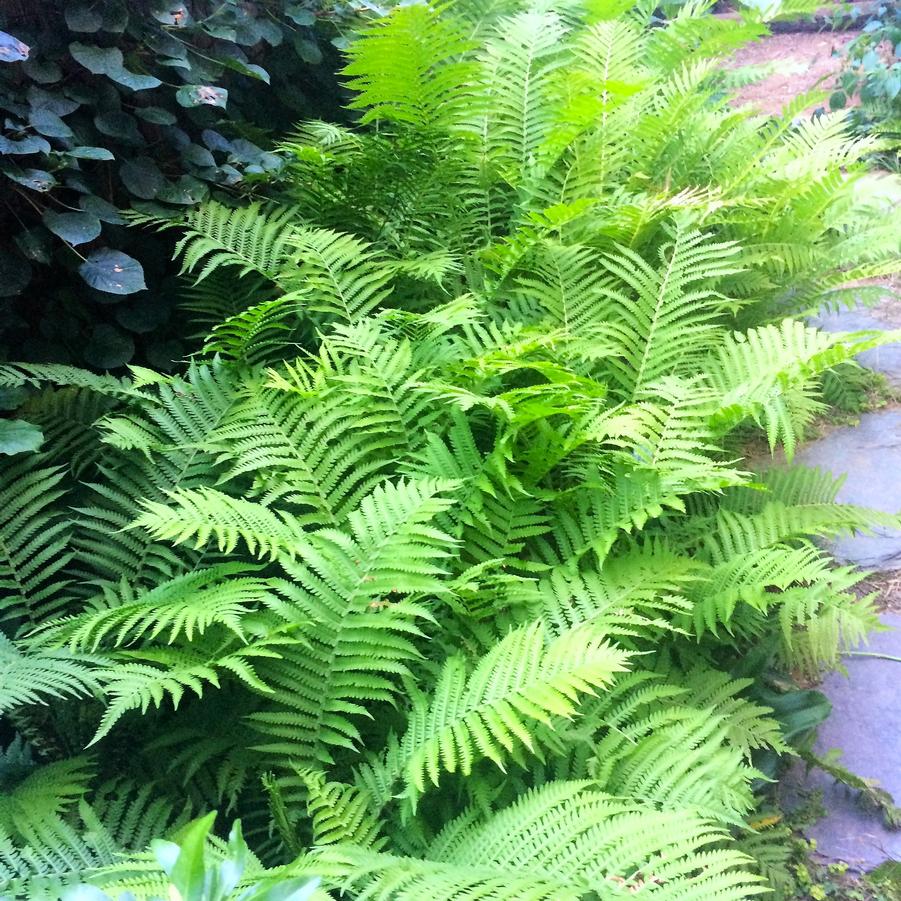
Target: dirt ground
(804, 62)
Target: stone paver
(885, 359)
(870, 455)
(866, 726)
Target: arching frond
(250, 239)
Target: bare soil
(887, 587)
(804, 62)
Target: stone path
(866, 726)
(866, 719)
(870, 456)
(886, 359)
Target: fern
(245, 238)
(35, 544)
(443, 558)
(596, 844)
(484, 713)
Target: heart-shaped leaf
(300, 13)
(35, 244)
(49, 124)
(142, 177)
(102, 209)
(43, 71)
(186, 191)
(99, 60)
(18, 436)
(133, 80)
(307, 50)
(113, 272)
(215, 141)
(28, 144)
(36, 179)
(75, 228)
(12, 50)
(90, 153)
(117, 124)
(198, 156)
(157, 115)
(38, 98)
(249, 69)
(201, 95)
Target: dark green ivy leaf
(49, 124)
(113, 272)
(102, 209)
(90, 153)
(75, 228)
(36, 179)
(142, 177)
(98, 60)
(18, 436)
(28, 144)
(157, 115)
(201, 95)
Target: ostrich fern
(440, 565)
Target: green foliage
(440, 566)
(110, 105)
(872, 73)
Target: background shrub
(872, 72)
(151, 104)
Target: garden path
(866, 721)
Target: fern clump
(439, 565)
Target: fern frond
(671, 314)
(158, 674)
(251, 239)
(36, 676)
(35, 543)
(411, 68)
(337, 274)
(184, 606)
(199, 515)
(486, 712)
(557, 843)
(341, 813)
(351, 586)
(518, 65)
